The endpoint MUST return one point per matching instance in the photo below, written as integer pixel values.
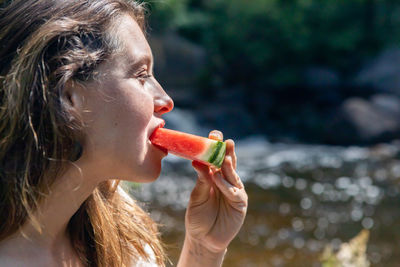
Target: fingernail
(216, 133)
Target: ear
(72, 99)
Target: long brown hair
(43, 45)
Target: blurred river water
(301, 198)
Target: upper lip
(160, 125)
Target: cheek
(118, 119)
(134, 113)
(128, 103)
(139, 107)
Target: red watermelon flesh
(193, 147)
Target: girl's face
(122, 107)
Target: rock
(233, 95)
(323, 85)
(232, 119)
(383, 72)
(321, 77)
(185, 121)
(359, 121)
(177, 66)
(178, 62)
(389, 104)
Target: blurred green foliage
(269, 42)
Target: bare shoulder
(13, 254)
(8, 258)
(11, 262)
(7, 261)
(5, 258)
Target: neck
(66, 196)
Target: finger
(234, 194)
(216, 135)
(204, 172)
(229, 172)
(201, 190)
(230, 150)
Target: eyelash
(143, 76)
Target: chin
(147, 174)
(153, 174)
(146, 170)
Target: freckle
(116, 123)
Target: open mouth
(161, 125)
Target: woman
(78, 102)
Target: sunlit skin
(120, 108)
(216, 210)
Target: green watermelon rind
(213, 153)
(218, 154)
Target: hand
(218, 203)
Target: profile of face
(120, 108)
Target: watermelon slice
(189, 146)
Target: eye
(143, 76)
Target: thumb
(201, 190)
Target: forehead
(132, 43)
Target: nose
(163, 103)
